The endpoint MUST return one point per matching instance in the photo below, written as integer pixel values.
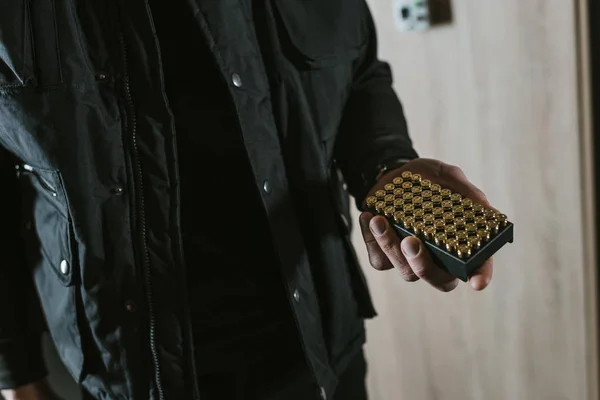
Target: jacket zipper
(132, 127)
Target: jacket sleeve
(21, 359)
(373, 128)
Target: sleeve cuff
(21, 361)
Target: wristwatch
(384, 167)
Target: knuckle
(408, 275)
(454, 170)
(387, 244)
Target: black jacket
(91, 221)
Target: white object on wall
(411, 15)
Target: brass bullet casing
(502, 220)
(427, 194)
(427, 206)
(429, 232)
(398, 217)
(407, 186)
(398, 192)
(489, 215)
(475, 242)
(436, 199)
(438, 212)
(484, 234)
(463, 251)
(371, 200)
(448, 218)
(467, 204)
(450, 231)
(439, 239)
(419, 227)
(469, 216)
(389, 188)
(416, 178)
(459, 222)
(417, 190)
(480, 222)
(447, 205)
(440, 225)
(471, 228)
(493, 227)
(462, 237)
(435, 188)
(399, 203)
(478, 209)
(451, 245)
(407, 197)
(456, 198)
(406, 175)
(379, 206)
(429, 219)
(409, 209)
(408, 222)
(418, 214)
(458, 211)
(397, 181)
(389, 211)
(380, 194)
(417, 201)
(389, 198)
(446, 193)
(425, 183)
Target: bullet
(480, 222)
(475, 242)
(451, 245)
(435, 188)
(456, 198)
(459, 222)
(425, 183)
(429, 232)
(502, 220)
(478, 209)
(462, 237)
(427, 206)
(406, 175)
(439, 239)
(489, 215)
(389, 211)
(493, 226)
(458, 211)
(398, 217)
(379, 206)
(407, 186)
(389, 187)
(440, 225)
(463, 251)
(417, 201)
(469, 216)
(446, 194)
(447, 205)
(417, 190)
(416, 178)
(426, 194)
(471, 228)
(436, 199)
(409, 209)
(419, 214)
(450, 231)
(389, 198)
(407, 197)
(397, 181)
(419, 227)
(398, 192)
(484, 234)
(467, 204)
(380, 194)
(399, 204)
(408, 222)
(371, 200)
(448, 218)
(429, 219)
(438, 212)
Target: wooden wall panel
(497, 93)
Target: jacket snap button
(267, 187)
(296, 295)
(65, 267)
(117, 190)
(237, 80)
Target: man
(183, 172)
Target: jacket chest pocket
(29, 52)
(318, 34)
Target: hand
(34, 391)
(409, 256)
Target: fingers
(457, 181)
(423, 266)
(383, 245)
(481, 278)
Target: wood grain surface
(499, 93)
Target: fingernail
(378, 226)
(411, 247)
